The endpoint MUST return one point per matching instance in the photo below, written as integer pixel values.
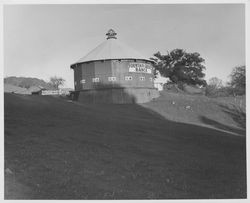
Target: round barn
(114, 73)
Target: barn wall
(77, 77)
(97, 69)
(103, 71)
(88, 72)
(118, 96)
(110, 68)
(142, 95)
(119, 91)
(120, 70)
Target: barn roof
(112, 48)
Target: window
(95, 80)
(112, 79)
(128, 77)
(82, 81)
(142, 78)
(75, 83)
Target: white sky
(43, 40)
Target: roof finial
(111, 34)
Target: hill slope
(227, 114)
(56, 149)
(26, 82)
(8, 88)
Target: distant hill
(15, 89)
(26, 82)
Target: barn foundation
(116, 95)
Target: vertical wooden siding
(109, 68)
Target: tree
(215, 82)
(56, 82)
(214, 86)
(181, 67)
(238, 80)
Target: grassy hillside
(8, 88)
(55, 149)
(26, 82)
(223, 113)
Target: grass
(55, 149)
(223, 113)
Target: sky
(44, 40)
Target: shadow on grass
(236, 113)
(221, 126)
(107, 151)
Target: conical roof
(112, 48)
